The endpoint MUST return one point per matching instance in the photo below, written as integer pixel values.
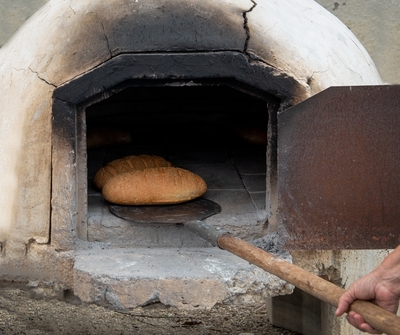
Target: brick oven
(184, 78)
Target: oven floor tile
(218, 176)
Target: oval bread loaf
(126, 164)
(154, 186)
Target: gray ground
(22, 314)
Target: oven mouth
(209, 128)
(191, 115)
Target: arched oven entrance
(202, 118)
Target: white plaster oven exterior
(298, 48)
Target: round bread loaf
(154, 186)
(126, 164)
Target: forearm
(389, 271)
(393, 260)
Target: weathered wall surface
(374, 22)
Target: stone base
(299, 312)
(186, 278)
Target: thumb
(341, 309)
(344, 303)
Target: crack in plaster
(75, 12)
(358, 46)
(106, 38)
(41, 78)
(246, 27)
(309, 79)
(104, 33)
(252, 57)
(14, 68)
(350, 69)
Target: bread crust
(154, 186)
(126, 164)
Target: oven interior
(212, 129)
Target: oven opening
(216, 131)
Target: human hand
(357, 321)
(381, 287)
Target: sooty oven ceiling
(211, 129)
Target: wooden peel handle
(320, 288)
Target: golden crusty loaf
(126, 164)
(154, 186)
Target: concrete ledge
(186, 278)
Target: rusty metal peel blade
(197, 209)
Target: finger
(344, 303)
(358, 321)
(342, 308)
(365, 327)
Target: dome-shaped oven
(175, 65)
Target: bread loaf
(154, 186)
(126, 164)
(98, 137)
